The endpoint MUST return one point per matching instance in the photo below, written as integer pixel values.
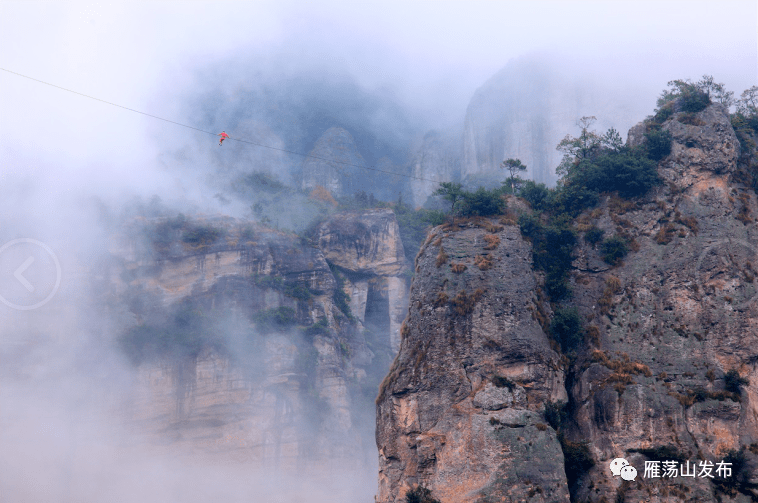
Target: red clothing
(223, 136)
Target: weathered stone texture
(685, 310)
(663, 329)
(365, 242)
(442, 420)
(525, 110)
(271, 398)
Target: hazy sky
(430, 54)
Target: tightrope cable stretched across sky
(214, 134)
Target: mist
(75, 172)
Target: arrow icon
(18, 274)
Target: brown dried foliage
(699, 395)
(613, 283)
(690, 119)
(623, 366)
(322, 194)
(689, 222)
(749, 272)
(441, 299)
(464, 304)
(744, 213)
(594, 335)
(612, 286)
(441, 257)
(405, 331)
(665, 234)
(483, 262)
(458, 268)
(492, 241)
(619, 206)
(490, 227)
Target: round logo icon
(628, 472)
(617, 464)
(30, 274)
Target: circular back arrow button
(18, 274)
(35, 268)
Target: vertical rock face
(243, 351)
(363, 242)
(524, 111)
(367, 245)
(332, 164)
(437, 160)
(460, 410)
(667, 370)
(672, 320)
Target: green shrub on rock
(555, 414)
(566, 328)
(481, 203)
(630, 173)
(593, 235)
(202, 235)
(658, 144)
(536, 194)
(614, 249)
(733, 381)
(278, 318)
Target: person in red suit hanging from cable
(223, 136)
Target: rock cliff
(331, 164)
(525, 110)
(437, 160)
(668, 369)
(246, 346)
(460, 409)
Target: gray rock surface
(290, 398)
(459, 411)
(683, 315)
(332, 164)
(366, 242)
(526, 109)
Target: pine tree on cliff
(513, 166)
(450, 191)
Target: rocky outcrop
(667, 370)
(681, 309)
(332, 164)
(460, 410)
(525, 110)
(368, 246)
(367, 242)
(243, 351)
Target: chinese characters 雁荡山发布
(672, 469)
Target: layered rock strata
(273, 371)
